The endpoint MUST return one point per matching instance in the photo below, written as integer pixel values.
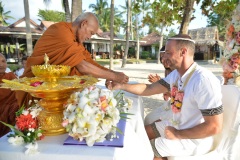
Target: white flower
(92, 114)
(17, 140)
(25, 112)
(32, 148)
(71, 107)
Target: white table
(136, 144)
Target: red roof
(152, 38)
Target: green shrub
(145, 55)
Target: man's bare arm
(211, 126)
(140, 88)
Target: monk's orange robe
(8, 105)
(60, 44)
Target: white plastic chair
(226, 144)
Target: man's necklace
(177, 95)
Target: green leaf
(125, 113)
(14, 129)
(19, 112)
(118, 130)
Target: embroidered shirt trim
(164, 83)
(212, 111)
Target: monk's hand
(121, 77)
(171, 133)
(108, 84)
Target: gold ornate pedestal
(54, 87)
(50, 118)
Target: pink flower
(35, 84)
(226, 67)
(174, 109)
(234, 66)
(174, 90)
(238, 37)
(65, 123)
(179, 96)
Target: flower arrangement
(26, 129)
(176, 99)
(231, 61)
(94, 113)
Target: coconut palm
(28, 29)
(99, 7)
(4, 15)
(111, 34)
(76, 8)
(127, 35)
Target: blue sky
(17, 10)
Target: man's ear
(84, 22)
(183, 51)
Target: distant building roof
(18, 29)
(205, 36)
(45, 24)
(150, 39)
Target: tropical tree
(220, 15)
(4, 15)
(76, 8)
(99, 7)
(67, 10)
(50, 15)
(28, 29)
(111, 34)
(127, 35)
(103, 13)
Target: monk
(63, 44)
(8, 101)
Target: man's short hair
(184, 40)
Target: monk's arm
(87, 68)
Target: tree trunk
(160, 45)
(187, 16)
(111, 35)
(137, 37)
(67, 11)
(28, 29)
(76, 9)
(127, 35)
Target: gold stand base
(51, 117)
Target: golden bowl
(50, 71)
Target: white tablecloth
(136, 144)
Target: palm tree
(76, 8)
(28, 29)
(4, 16)
(67, 10)
(99, 7)
(127, 35)
(111, 34)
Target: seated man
(8, 101)
(162, 112)
(195, 102)
(63, 44)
